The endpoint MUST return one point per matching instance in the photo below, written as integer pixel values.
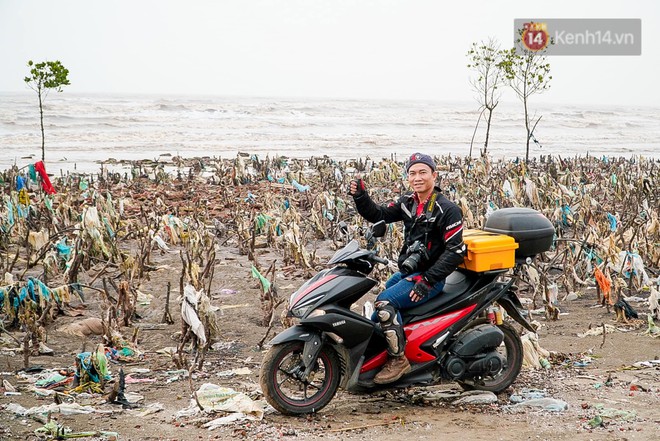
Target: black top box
(531, 230)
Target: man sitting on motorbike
(432, 249)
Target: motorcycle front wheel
(282, 383)
(512, 351)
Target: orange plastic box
(488, 251)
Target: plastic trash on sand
(533, 353)
(653, 330)
(610, 414)
(646, 364)
(265, 283)
(598, 330)
(549, 404)
(189, 313)
(654, 303)
(92, 366)
(148, 410)
(53, 378)
(629, 265)
(64, 409)
(553, 293)
(228, 419)
(476, 397)
(535, 399)
(157, 240)
(214, 398)
(301, 188)
(54, 430)
(527, 394)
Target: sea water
(82, 130)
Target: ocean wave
(172, 107)
(143, 127)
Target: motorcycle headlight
(303, 310)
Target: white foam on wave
(84, 129)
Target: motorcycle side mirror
(379, 229)
(343, 228)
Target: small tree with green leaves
(528, 73)
(44, 77)
(485, 59)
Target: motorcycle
(452, 337)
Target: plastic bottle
(498, 316)
(491, 315)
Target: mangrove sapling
(44, 77)
(527, 74)
(485, 60)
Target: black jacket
(439, 228)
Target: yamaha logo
(339, 323)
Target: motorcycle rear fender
(476, 340)
(511, 304)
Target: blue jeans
(397, 293)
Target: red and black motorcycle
(450, 337)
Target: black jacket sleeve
(452, 256)
(373, 212)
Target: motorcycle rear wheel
(514, 358)
(283, 387)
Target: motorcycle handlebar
(379, 260)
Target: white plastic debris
(150, 409)
(222, 421)
(532, 351)
(236, 371)
(553, 293)
(214, 398)
(476, 397)
(549, 404)
(527, 394)
(8, 386)
(630, 264)
(647, 364)
(598, 330)
(654, 303)
(189, 313)
(157, 240)
(64, 409)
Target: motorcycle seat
(456, 284)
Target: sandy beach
(133, 240)
(173, 174)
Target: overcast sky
(390, 49)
